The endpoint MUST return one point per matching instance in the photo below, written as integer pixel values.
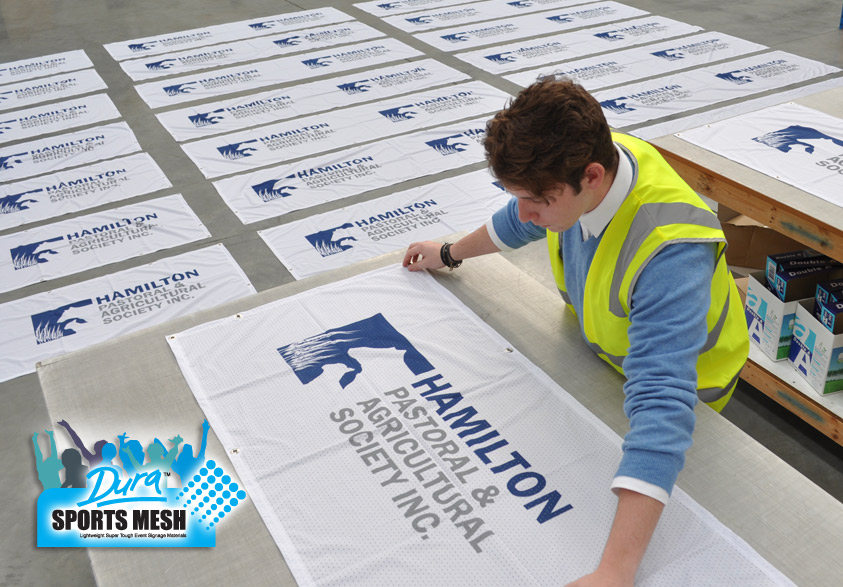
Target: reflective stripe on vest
(660, 210)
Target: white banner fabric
(545, 50)
(77, 316)
(257, 109)
(68, 150)
(268, 193)
(24, 69)
(411, 445)
(50, 196)
(249, 50)
(682, 92)
(529, 25)
(297, 138)
(274, 71)
(224, 33)
(50, 88)
(638, 63)
(794, 144)
(363, 231)
(56, 117)
(86, 242)
(382, 8)
(474, 12)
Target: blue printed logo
(262, 26)
(507, 57)
(448, 145)
(521, 4)
(178, 89)
(669, 54)
(317, 62)
(420, 20)
(756, 316)
(55, 324)
(274, 189)
(802, 347)
(236, 150)
(309, 357)
(5, 95)
(206, 118)
(399, 114)
(610, 36)
(289, 41)
(389, 5)
(25, 256)
(352, 88)
(4, 128)
(616, 106)
(9, 161)
(456, 37)
(162, 65)
(560, 19)
(785, 139)
(141, 47)
(13, 203)
(332, 241)
(730, 76)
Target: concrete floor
(31, 28)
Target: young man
(643, 271)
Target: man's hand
(601, 579)
(423, 255)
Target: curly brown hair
(548, 135)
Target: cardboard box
(831, 316)
(800, 283)
(769, 319)
(816, 353)
(749, 241)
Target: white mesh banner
(545, 50)
(224, 33)
(363, 231)
(631, 65)
(331, 130)
(519, 27)
(681, 92)
(383, 8)
(56, 117)
(275, 71)
(474, 12)
(55, 87)
(56, 194)
(68, 150)
(77, 316)
(388, 436)
(794, 144)
(248, 50)
(275, 191)
(24, 69)
(257, 109)
(71, 246)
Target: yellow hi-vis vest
(660, 210)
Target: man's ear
(593, 176)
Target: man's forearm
(474, 245)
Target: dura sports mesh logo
(16, 202)
(735, 77)
(274, 189)
(289, 41)
(398, 114)
(309, 357)
(179, 89)
(669, 54)
(795, 135)
(32, 254)
(615, 105)
(237, 150)
(204, 119)
(211, 494)
(332, 241)
(162, 65)
(352, 88)
(58, 323)
(141, 47)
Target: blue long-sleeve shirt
(668, 329)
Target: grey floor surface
(31, 28)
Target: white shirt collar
(594, 222)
